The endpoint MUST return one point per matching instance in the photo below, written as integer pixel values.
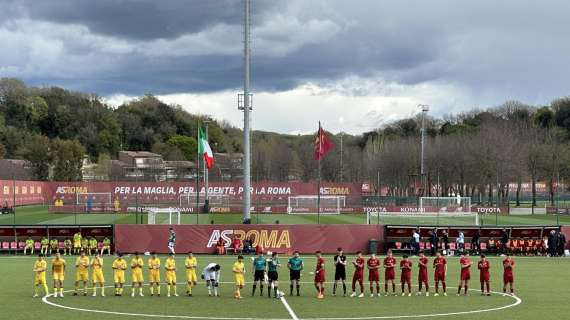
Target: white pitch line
(288, 307)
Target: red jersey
(484, 267)
(465, 261)
(424, 261)
(389, 263)
(373, 264)
(439, 264)
(406, 266)
(508, 266)
(359, 266)
(320, 264)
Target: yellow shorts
(58, 276)
(138, 275)
(240, 280)
(154, 275)
(119, 277)
(77, 244)
(98, 277)
(82, 276)
(106, 248)
(40, 279)
(191, 276)
(170, 277)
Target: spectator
(236, 245)
(460, 242)
(248, 246)
(476, 242)
(433, 241)
(416, 242)
(445, 239)
(552, 243)
(221, 247)
(561, 243)
(504, 241)
(492, 245)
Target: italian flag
(204, 149)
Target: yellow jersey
(191, 264)
(170, 265)
(137, 264)
(82, 264)
(58, 265)
(119, 265)
(40, 265)
(154, 264)
(97, 264)
(238, 268)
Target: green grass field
(39, 215)
(541, 283)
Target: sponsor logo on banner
(220, 209)
(335, 191)
(266, 238)
(70, 190)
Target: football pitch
(39, 215)
(541, 286)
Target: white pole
(246, 128)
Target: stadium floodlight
(425, 109)
(247, 108)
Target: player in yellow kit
(191, 263)
(40, 267)
(58, 274)
(154, 274)
(98, 278)
(81, 273)
(170, 274)
(239, 276)
(119, 267)
(137, 264)
(77, 242)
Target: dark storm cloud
(495, 50)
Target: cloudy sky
(353, 65)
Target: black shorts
(340, 274)
(294, 275)
(273, 275)
(259, 275)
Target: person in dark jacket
(552, 243)
(433, 241)
(445, 239)
(561, 243)
(504, 241)
(476, 242)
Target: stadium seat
(14, 245)
(99, 245)
(467, 246)
(21, 245)
(422, 246)
(452, 246)
(61, 245)
(6, 245)
(37, 245)
(483, 246)
(398, 245)
(427, 245)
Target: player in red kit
(320, 276)
(465, 263)
(389, 272)
(373, 265)
(440, 266)
(508, 277)
(484, 277)
(358, 275)
(406, 277)
(423, 274)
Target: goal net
(449, 205)
(162, 215)
(95, 201)
(215, 199)
(310, 204)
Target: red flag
(322, 144)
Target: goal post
(162, 215)
(309, 203)
(93, 198)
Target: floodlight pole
(341, 154)
(246, 120)
(425, 109)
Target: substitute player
(81, 273)
(92, 245)
(106, 246)
(320, 275)
(259, 263)
(508, 277)
(58, 274)
(119, 268)
(211, 274)
(171, 240)
(272, 273)
(465, 276)
(389, 272)
(191, 264)
(40, 267)
(295, 265)
(358, 275)
(29, 246)
(239, 276)
(44, 246)
(137, 264)
(154, 274)
(440, 266)
(406, 276)
(53, 246)
(373, 265)
(484, 277)
(77, 242)
(423, 274)
(67, 247)
(98, 278)
(339, 271)
(170, 275)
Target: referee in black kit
(340, 271)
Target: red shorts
(439, 276)
(358, 277)
(406, 278)
(508, 278)
(320, 276)
(465, 275)
(389, 274)
(484, 277)
(373, 276)
(423, 276)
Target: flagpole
(198, 174)
(206, 177)
(319, 176)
